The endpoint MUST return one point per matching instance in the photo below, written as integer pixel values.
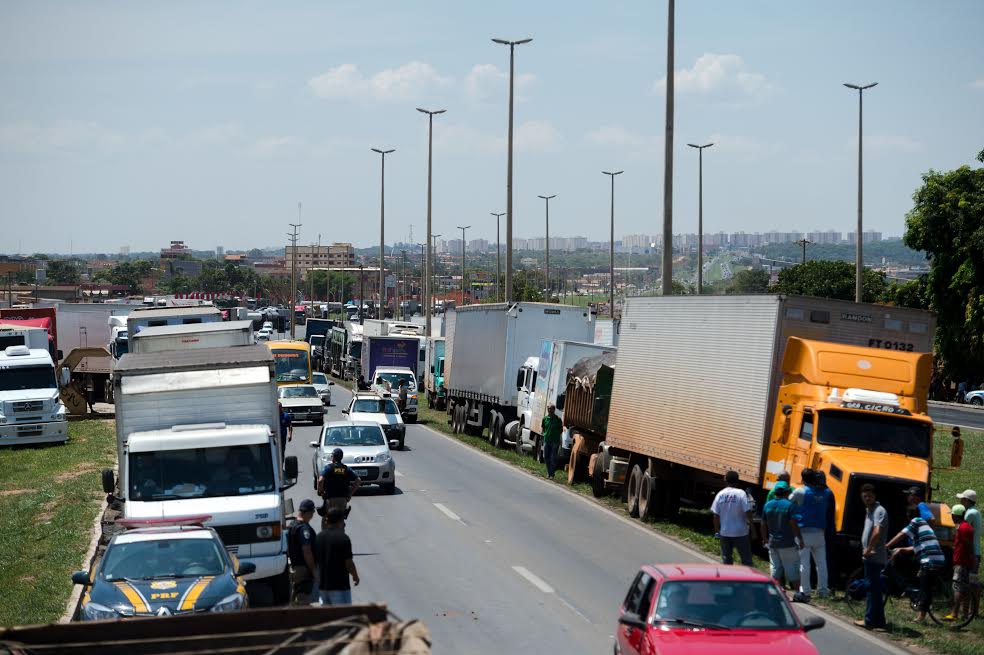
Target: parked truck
(316, 332)
(141, 318)
(86, 330)
(43, 317)
(30, 408)
(545, 383)
(486, 348)
(192, 335)
(434, 373)
(197, 433)
(389, 361)
(760, 385)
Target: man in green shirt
(551, 427)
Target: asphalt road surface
(953, 414)
(496, 561)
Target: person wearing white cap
(973, 516)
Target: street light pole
(382, 217)
(509, 165)
(547, 243)
(430, 278)
(498, 254)
(804, 242)
(859, 264)
(463, 261)
(293, 270)
(668, 159)
(611, 249)
(700, 216)
(430, 158)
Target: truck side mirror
(108, 481)
(290, 467)
(65, 376)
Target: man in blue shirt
(782, 534)
(812, 521)
(916, 497)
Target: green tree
(130, 274)
(913, 293)
(947, 222)
(830, 279)
(24, 277)
(526, 286)
(750, 281)
(62, 272)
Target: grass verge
(694, 528)
(49, 498)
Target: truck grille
(29, 406)
(890, 493)
(29, 431)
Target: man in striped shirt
(926, 549)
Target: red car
(713, 609)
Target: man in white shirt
(732, 516)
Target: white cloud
(486, 82)
(392, 84)
(615, 135)
(530, 136)
(61, 136)
(721, 76)
(977, 84)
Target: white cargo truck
(141, 318)
(198, 434)
(485, 350)
(546, 377)
(30, 409)
(200, 335)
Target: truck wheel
(108, 392)
(597, 467)
(519, 441)
(456, 419)
(280, 584)
(499, 438)
(577, 463)
(647, 498)
(632, 490)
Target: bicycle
(899, 581)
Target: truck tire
(497, 430)
(597, 467)
(108, 392)
(578, 463)
(647, 498)
(280, 585)
(458, 413)
(632, 490)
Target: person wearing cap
(335, 563)
(928, 553)
(963, 563)
(972, 516)
(782, 477)
(300, 552)
(551, 427)
(782, 534)
(336, 484)
(874, 557)
(917, 501)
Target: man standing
(286, 429)
(732, 515)
(300, 551)
(782, 477)
(812, 520)
(963, 564)
(780, 532)
(551, 428)
(335, 563)
(336, 485)
(402, 397)
(928, 553)
(874, 557)
(916, 500)
(972, 516)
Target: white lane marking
(399, 475)
(533, 579)
(574, 609)
(448, 513)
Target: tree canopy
(947, 222)
(62, 272)
(830, 279)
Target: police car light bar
(196, 520)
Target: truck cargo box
(192, 336)
(696, 375)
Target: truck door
(800, 443)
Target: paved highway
(496, 561)
(953, 414)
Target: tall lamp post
(509, 165)
(430, 280)
(382, 216)
(430, 153)
(611, 250)
(700, 216)
(668, 158)
(547, 243)
(463, 228)
(498, 253)
(859, 264)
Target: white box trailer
(485, 349)
(194, 335)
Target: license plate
(361, 472)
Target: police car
(162, 570)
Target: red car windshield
(724, 604)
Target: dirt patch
(70, 475)
(27, 578)
(13, 492)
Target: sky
(134, 123)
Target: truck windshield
(876, 432)
(121, 346)
(355, 349)
(201, 473)
(292, 365)
(28, 377)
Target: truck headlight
(264, 531)
(231, 603)
(96, 612)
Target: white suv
(380, 409)
(387, 380)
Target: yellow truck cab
(859, 415)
